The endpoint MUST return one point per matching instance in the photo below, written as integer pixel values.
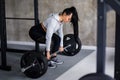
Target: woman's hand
(48, 55)
(61, 49)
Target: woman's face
(67, 18)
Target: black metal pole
(101, 45)
(36, 15)
(14, 18)
(101, 36)
(117, 48)
(115, 4)
(3, 37)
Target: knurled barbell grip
(59, 50)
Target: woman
(51, 31)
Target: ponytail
(74, 19)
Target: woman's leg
(39, 36)
(55, 47)
(55, 43)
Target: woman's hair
(74, 19)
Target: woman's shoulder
(53, 17)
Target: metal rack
(3, 37)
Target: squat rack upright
(3, 37)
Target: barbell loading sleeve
(26, 68)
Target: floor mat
(13, 59)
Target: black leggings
(38, 34)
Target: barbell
(34, 65)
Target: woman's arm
(60, 33)
(49, 33)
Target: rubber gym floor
(73, 68)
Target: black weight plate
(78, 46)
(75, 46)
(69, 40)
(39, 69)
(96, 76)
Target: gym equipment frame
(115, 4)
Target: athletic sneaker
(51, 64)
(56, 60)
